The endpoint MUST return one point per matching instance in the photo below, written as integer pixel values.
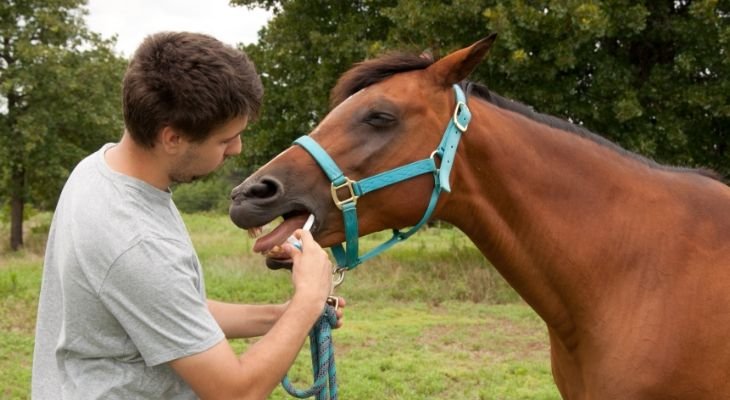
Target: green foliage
(206, 195)
(652, 76)
(300, 55)
(59, 96)
(212, 193)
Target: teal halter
(347, 257)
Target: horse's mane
(481, 91)
(372, 71)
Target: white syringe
(307, 226)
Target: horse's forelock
(369, 72)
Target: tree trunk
(17, 203)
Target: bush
(210, 194)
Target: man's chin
(186, 179)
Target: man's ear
(170, 139)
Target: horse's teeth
(255, 232)
(276, 252)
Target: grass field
(430, 319)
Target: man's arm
(244, 320)
(218, 373)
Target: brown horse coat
(626, 261)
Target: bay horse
(627, 261)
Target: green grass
(20, 276)
(453, 350)
(429, 319)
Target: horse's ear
(427, 55)
(456, 66)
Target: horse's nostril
(263, 189)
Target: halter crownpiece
(348, 257)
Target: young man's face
(200, 159)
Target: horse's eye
(378, 119)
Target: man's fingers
(290, 250)
(304, 236)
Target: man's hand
(339, 311)
(312, 270)
(308, 272)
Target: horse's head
(386, 113)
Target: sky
(133, 20)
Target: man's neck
(131, 159)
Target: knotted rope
(323, 360)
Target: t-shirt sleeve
(156, 292)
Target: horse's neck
(543, 206)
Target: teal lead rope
(323, 360)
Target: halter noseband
(347, 258)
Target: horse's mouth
(269, 244)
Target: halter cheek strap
(348, 256)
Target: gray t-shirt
(122, 292)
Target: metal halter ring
(459, 106)
(338, 276)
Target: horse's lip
(277, 263)
(248, 216)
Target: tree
(300, 55)
(650, 75)
(653, 76)
(59, 99)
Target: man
(122, 311)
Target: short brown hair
(189, 81)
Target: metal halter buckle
(461, 127)
(348, 184)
